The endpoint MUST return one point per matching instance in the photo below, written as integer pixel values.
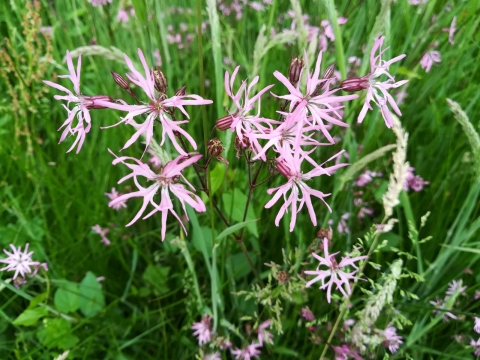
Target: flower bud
(215, 147)
(325, 234)
(282, 276)
(181, 91)
(225, 122)
(328, 73)
(296, 66)
(92, 101)
(120, 80)
(283, 168)
(241, 145)
(160, 80)
(355, 84)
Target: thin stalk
(214, 287)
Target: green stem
(332, 15)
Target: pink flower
(334, 271)
(166, 182)
(247, 352)
(344, 353)
(319, 106)
(122, 15)
(102, 233)
(241, 122)
(203, 329)
(377, 90)
(367, 176)
(476, 327)
(154, 159)
(157, 109)
(451, 30)
(307, 314)
(476, 346)
(213, 356)
(20, 262)
(263, 334)
(455, 287)
(112, 196)
(414, 182)
(158, 57)
(417, 2)
(440, 306)
(364, 211)
(342, 224)
(428, 59)
(82, 105)
(99, 2)
(392, 340)
(289, 166)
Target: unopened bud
(181, 92)
(296, 66)
(328, 73)
(159, 79)
(355, 84)
(215, 147)
(225, 122)
(283, 168)
(325, 234)
(120, 80)
(91, 102)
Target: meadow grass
(153, 290)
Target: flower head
(19, 261)
(414, 182)
(166, 182)
(376, 89)
(112, 196)
(392, 340)
(334, 271)
(476, 346)
(82, 107)
(263, 334)
(159, 108)
(307, 314)
(203, 329)
(476, 327)
(455, 287)
(451, 30)
(428, 59)
(102, 233)
(247, 352)
(440, 309)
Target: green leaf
(37, 300)
(234, 228)
(140, 10)
(30, 316)
(216, 176)
(57, 333)
(240, 265)
(156, 276)
(91, 299)
(67, 298)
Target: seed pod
(355, 84)
(161, 84)
(215, 147)
(241, 145)
(181, 91)
(328, 73)
(296, 66)
(224, 123)
(120, 80)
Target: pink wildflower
(213, 356)
(102, 233)
(440, 306)
(392, 340)
(476, 346)
(451, 30)
(241, 121)
(122, 15)
(168, 180)
(99, 2)
(428, 59)
(414, 182)
(342, 226)
(112, 196)
(455, 287)
(377, 90)
(367, 176)
(158, 57)
(247, 352)
(20, 262)
(334, 271)
(289, 166)
(82, 105)
(154, 159)
(203, 329)
(476, 327)
(307, 314)
(263, 334)
(319, 107)
(158, 109)
(364, 211)
(417, 2)
(344, 353)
